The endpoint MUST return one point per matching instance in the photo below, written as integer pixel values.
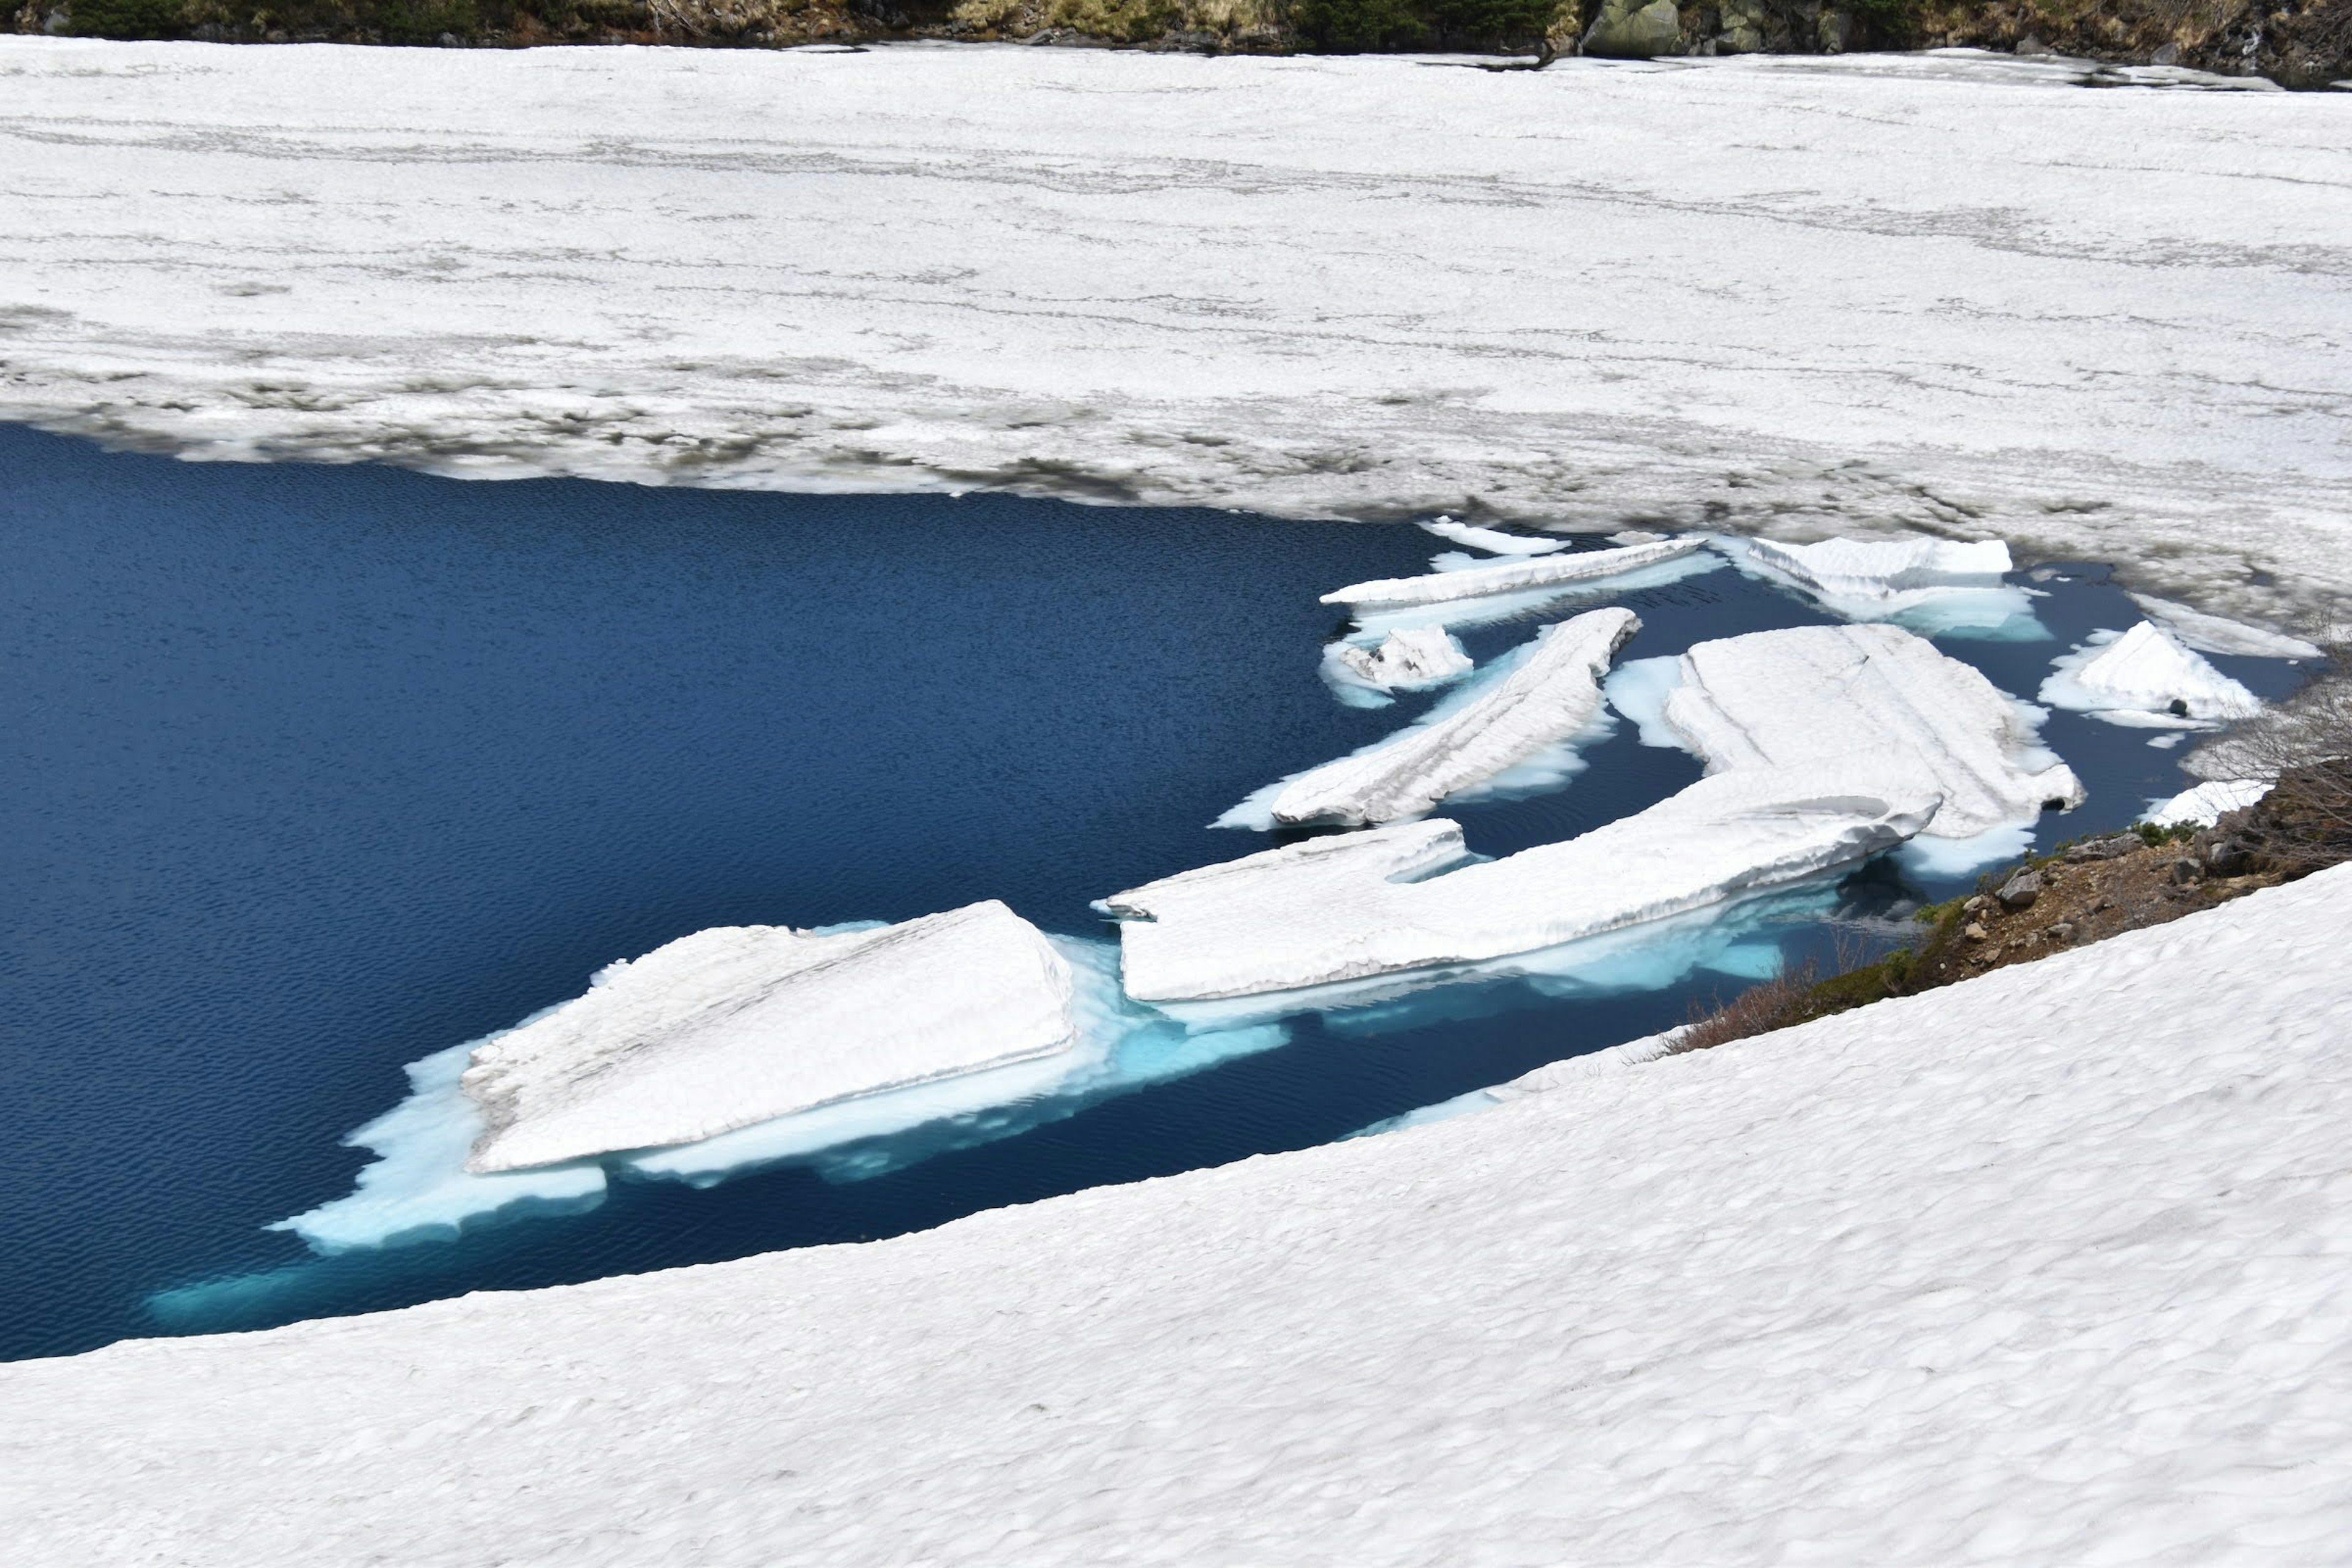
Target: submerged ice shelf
(1535, 700)
(1417, 658)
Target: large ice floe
(1494, 540)
(1522, 709)
(2145, 679)
(744, 1024)
(1825, 745)
(1514, 579)
(855, 1050)
(1935, 587)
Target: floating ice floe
(1414, 659)
(1935, 587)
(743, 1024)
(1407, 896)
(419, 1188)
(1493, 541)
(1523, 710)
(2208, 802)
(1877, 697)
(2145, 679)
(2218, 634)
(1507, 577)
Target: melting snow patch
(2208, 802)
(1518, 715)
(2145, 679)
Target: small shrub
(127, 19)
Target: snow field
(2047, 1266)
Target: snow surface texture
(1413, 659)
(744, 1024)
(2048, 1266)
(2144, 678)
(2208, 802)
(1873, 697)
(1402, 897)
(1851, 295)
(1532, 701)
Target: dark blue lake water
(308, 773)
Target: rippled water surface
(308, 773)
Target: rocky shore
(2304, 44)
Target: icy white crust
(1493, 541)
(2208, 802)
(1873, 697)
(2218, 634)
(743, 1024)
(1413, 659)
(1506, 577)
(1402, 897)
(2136, 679)
(1545, 694)
(1862, 569)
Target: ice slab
(1533, 700)
(2208, 802)
(1493, 541)
(1874, 698)
(2218, 634)
(1405, 896)
(1934, 586)
(1413, 659)
(1507, 577)
(2145, 679)
(742, 1024)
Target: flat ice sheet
(2043, 1267)
(1857, 297)
(1399, 898)
(1872, 698)
(1540, 697)
(740, 1025)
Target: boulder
(2112, 847)
(2020, 892)
(1633, 30)
(2186, 870)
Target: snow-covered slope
(1808, 295)
(1540, 697)
(743, 1024)
(2049, 1267)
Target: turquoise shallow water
(313, 771)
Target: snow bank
(743, 1024)
(1494, 540)
(1402, 897)
(1934, 586)
(1535, 699)
(1872, 698)
(2144, 678)
(2046, 1266)
(2208, 802)
(1515, 578)
(1414, 659)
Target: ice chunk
(1873, 697)
(1508, 576)
(418, 1189)
(1538, 697)
(1493, 541)
(2208, 802)
(1403, 897)
(2145, 679)
(1413, 659)
(2217, 634)
(1934, 586)
(741, 1024)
